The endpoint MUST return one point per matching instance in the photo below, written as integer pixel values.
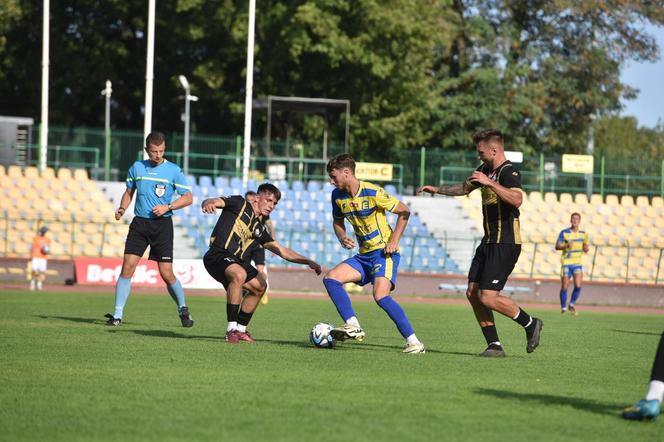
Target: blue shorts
(570, 270)
(375, 264)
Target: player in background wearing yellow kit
(574, 243)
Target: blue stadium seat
(191, 181)
(389, 188)
(313, 186)
(221, 181)
(236, 183)
(205, 181)
(298, 186)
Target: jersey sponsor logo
(376, 268)
(495, 281)
(160, 190)
(365, 204)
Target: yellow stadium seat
(550, 198)
(596, 199)
(2, 171)
(642, 201)
(657, 201)
(81, 175)
(14, 171)
(566, 198)
(612, 200)
(535, 197)
(48, 173)
(627, 200)
(31, 172)
(64, 174)
(581, 199)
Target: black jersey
(501, 220)
(239, 230)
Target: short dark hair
(269, 188)
(340, 161)
(155, 138)
(488, 135)
(249, 193)
(575, 213)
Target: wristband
(170, 207)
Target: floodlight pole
(248, 92)
(149, 73)
(187, 98)
(43, 132)
(107, 126)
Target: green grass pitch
(65, 376)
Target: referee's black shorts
(217, 260)
(492, 265)
(156, 233)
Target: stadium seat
(642, 201)
(581, 199)
(205, 181)
(64, 174)
(657, 201)
(626, 201)
(80, 175)
(221, 181)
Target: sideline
(276, 294)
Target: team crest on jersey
(365, 204)
(160, 190)
(257, 232)
(376, 268)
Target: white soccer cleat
(414, 348)
(347, 331)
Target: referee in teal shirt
(154, 181)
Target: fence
(618, 175)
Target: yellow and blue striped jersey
(573, 255)
(366, 213)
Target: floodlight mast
(248, 92)
(43, 132)
(149, 74)
(187, 98)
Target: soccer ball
(320, 335)
(45, 250)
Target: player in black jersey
(239, 231)
(495, 257)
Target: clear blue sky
(648, 107)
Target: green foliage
(416, 73)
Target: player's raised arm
(291, 255)
(452, 190)
(210, 205)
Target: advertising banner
(105, 271)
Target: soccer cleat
(414, 348)
(244, 336)
(113, 322)
(493, 352)
(562, 312)
(232, 337)
(642, 410)
(533, 334)
(572, 311)
(185, 317)
(347, 331)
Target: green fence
(221, 155)
(65, 156)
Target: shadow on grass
(549, 399)
(635, 332)
(165, 334)
(74, 319)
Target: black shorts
(492, 265)
(156, 233)
(257, 256)
(216, 261)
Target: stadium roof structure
(322, 106)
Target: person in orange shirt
(39, 254)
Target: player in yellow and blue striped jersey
(574, 243)
(364, 204)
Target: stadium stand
(626, 233)
(79, 217)
(303, 221)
